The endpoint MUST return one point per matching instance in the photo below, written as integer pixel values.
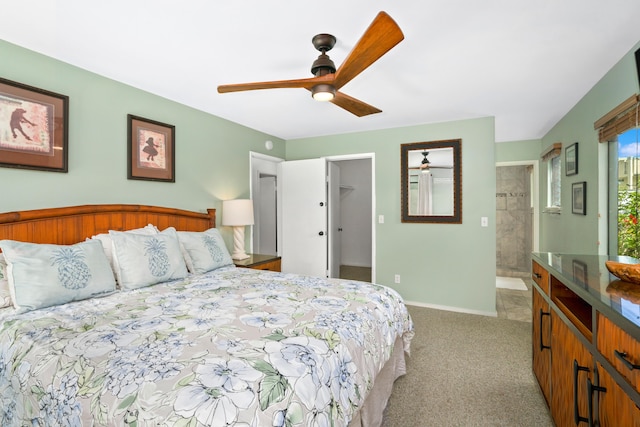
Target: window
(627, 160)
(554, 175)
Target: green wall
(567, 232)
(452, 266)
(212, 154)
(448, 265)
(517, 151)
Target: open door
(304, 217)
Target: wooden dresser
(586, 340)
(260, 262)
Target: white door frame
(253, 155)
(535, 196)
(364, 156)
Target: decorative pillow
(42, 275)
(204, 251)
(107, 243)
(142, 260)
(5, 293)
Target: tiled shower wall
(514, 217)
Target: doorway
(355, 235)
(514, 220)
(349, 217)
(516, 237)
(265, 233)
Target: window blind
(622, 118)
(553, 150)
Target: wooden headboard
(68, 225)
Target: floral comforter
(230, 347)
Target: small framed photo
(151, 150)
(579, 198)
(34, 128)
(571, 159)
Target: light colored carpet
(355, 273)
(514, 283)
(467, 370)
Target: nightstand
(260, 262)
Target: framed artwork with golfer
(151, 150)
(33, 127)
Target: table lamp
(237, 214)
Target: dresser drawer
(540, 276)
(620, 349)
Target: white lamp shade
(237, 212)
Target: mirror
(431, 181)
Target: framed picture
(580, 273)
(579, 198)
(151, 150)
(571, 159)
(34, 128)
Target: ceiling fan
(381, 36)
(425, 164)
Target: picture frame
(579, 198)
(34, 128)
(150, 150)
(571, 159)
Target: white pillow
(5, 293)
(204, 251)
(107, 243)
(142, 260)
(42, 275)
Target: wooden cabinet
(260, 262)
(541, 350)
(620, 349)
(540, 276)
(571, 368)
(615, 408)
(586, 350)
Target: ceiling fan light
(323, 92)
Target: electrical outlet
(396, 278)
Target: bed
(196, 342)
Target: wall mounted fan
(381, 36)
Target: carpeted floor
(355, 273)
(467, 370)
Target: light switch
(380, 219)
(484, 221)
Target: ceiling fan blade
(381, 36)
(354, 106)
(278, 84)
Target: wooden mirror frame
(456, 218)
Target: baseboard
(455, 309)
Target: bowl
(627, 272)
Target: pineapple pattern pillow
(43, 275)
(5, 294)
(142, 260)
(204, 251)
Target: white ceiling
(525, 62)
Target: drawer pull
(576, 412)
(543, 313)
(590, 389)
(623, 357)
(537, 275)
